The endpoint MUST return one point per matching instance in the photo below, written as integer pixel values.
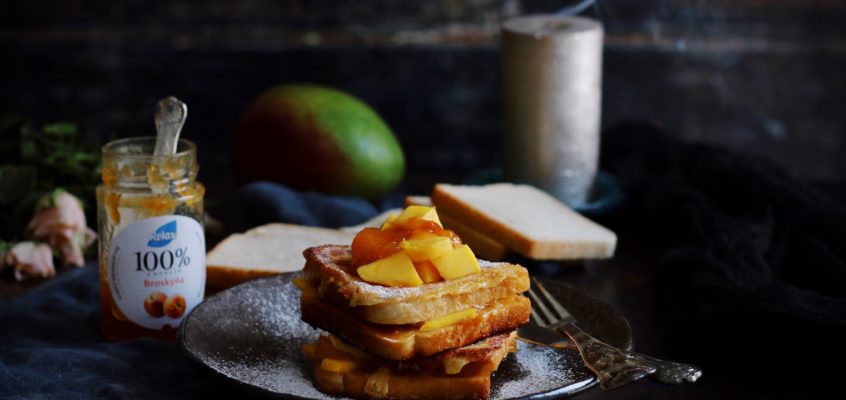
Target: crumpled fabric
(266, 202)
(52, 348)
(752, 260)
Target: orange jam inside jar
(151, 241)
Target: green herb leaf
(62, 130)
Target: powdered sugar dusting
(535, 369)
(253, 334)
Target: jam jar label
(157, 270)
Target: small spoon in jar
(170, 117)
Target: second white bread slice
(526, 220)
(266, 250)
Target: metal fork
(612, 366)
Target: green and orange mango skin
(311, 137)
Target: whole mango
(311, 137)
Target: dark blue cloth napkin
(266, 202)
(51, 348)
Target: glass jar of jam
(152, 246)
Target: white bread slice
(526, 220)
(264, 251)
(483, 245)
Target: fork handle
(615, 367)
(612, 366)
(670, 371)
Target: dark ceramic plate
(252, 334)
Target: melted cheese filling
(449, 319)
(454, 365)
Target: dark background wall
(764, 77)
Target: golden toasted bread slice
(340, 369)
(328, 268)
(403, 342)
(483, 356)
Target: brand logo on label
(164, 235)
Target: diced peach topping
(457, 263)
(396, 270)
(427, 272)
(426, 248)
(403, 252)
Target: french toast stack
(438, 340)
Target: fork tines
(546, 310)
